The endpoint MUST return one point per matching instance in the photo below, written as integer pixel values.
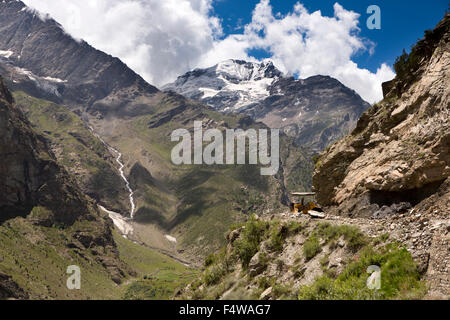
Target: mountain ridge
(137, 121)
(315, 111)
(71, 66)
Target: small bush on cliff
(278, 234)
(283, 292)
(253, 233)
(353, 236)
(311, 247)
(295, 227)
(213, 274)
(400, 278)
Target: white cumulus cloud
(158, 39)
(163, 39)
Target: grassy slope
(77, 149)
(228, 271)
(194, 203)
(37, 258)
(158, 275)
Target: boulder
(257, 264)
(267, 294)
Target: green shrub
(196, 284)
(280, 291)
(399, 278)
(295, 227)
(210, 260)
(264, 283)
(277, 235)
(325, 288)
(219, 257)
(354, 237)
(381, 239)
(213, 274)
(324, 261)
(311, 247)
(252, 235)
(401, 64)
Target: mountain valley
(68, 111)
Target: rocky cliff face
(9, 289)
(315, 111)
(30, 174)
(396, 163)
(399, 149)
(37, 191)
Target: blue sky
(163, 39)
(402, 22)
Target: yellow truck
(308, 206)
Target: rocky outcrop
(34, 186)
(29, 173)
(396, 163)
(9, 289)
(287, 257)
(140, 176)
(315, 111)
(399, 149)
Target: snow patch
(119, 221)
(47, 84)
(208, 92)
(235, 84)
(26, 72)
(6, 53)
(249, 91)
(171, 239)
(55, 80)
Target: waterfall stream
(122, 174)
(127, 183)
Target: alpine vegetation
(213, 153)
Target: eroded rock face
(399, 151)
(396, 163)
(9, 289)
(34, 186)
(29, 173)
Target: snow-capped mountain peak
(230, 85)
(246, 71)
(315, 111)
